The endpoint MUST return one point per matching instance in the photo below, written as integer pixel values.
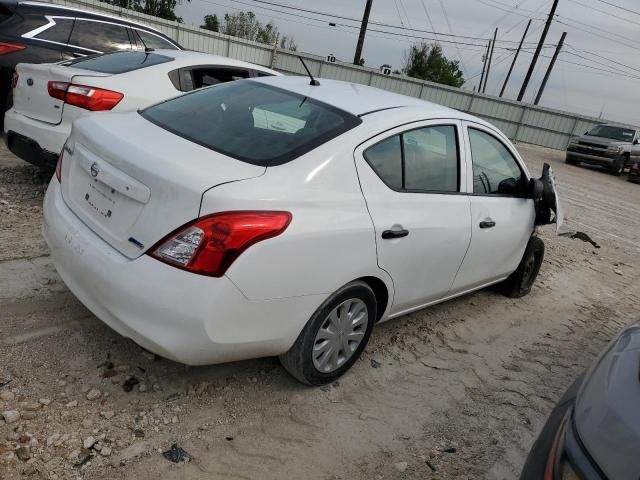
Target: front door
(413, 179)
(502, 218)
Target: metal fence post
(370, 78)
(519, 124)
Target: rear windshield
(119, 62)
(252, 122)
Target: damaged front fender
(545, 196)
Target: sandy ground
(459, 390)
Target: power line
(594, 27)
(446, 18)
(618, 6)
(604, 11)
(603, 58)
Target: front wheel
(617, 167)
(519, 283)
(334, 337)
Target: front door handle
(488, 223)
(388, 234)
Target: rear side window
(495, 170)
(386, 160)
(252, 122)
(418, 160)
(119, 62)
(99, 36)
(59, 32)
(150, 40)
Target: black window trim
(351, 122)
(446, 123)
(482, 128)
(32, 34)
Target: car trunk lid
(31, 96)
(133, 183)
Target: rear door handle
(487, 223)
(388, 234)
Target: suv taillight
(10, 47)
(209, 245)
(89, 98)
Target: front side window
(495, 169)
(419, 160)
(99, 36)
(59, 32)
(252, 122)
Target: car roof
(189, 57)
(92, 14)
(358, 99)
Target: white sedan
(47, 98)
(272, 217)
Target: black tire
(519, 283)
(617, 167)
(571, 161)
(298, 360)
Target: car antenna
(313, 81)
(146, 49)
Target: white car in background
(47, 98)
(274, 217)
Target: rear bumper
(38, 143)
(185, 317)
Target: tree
(246, 25)
(427, 62)
(211, 22)
(157, 8)
(289, 43)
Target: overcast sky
(598, 35)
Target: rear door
(413, 180)
(502, 218)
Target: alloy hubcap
(340, 335)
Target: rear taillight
(14, 79)
(59, 166)
(82, 96)
(210, 245)
(10, 47)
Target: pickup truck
(611, 146)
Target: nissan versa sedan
(593, 433)
(272, 216)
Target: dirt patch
(458, 390)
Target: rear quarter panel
(330, 240)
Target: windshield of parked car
(118, 62)
(256, 123)
(615, 133)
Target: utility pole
(543, 37)
(506, 80)
(363, 30)
(484, 66)
(553, 61)
(493, 44)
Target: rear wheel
(617, 167)
(334, 337)
(519, 283)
